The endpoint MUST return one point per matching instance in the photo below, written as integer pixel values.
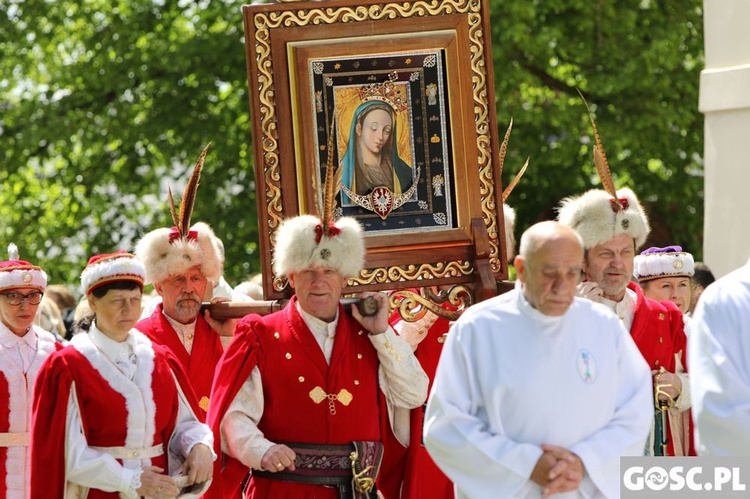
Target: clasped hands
(198, 468)
(558, 470)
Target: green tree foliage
(105, 104)
(638, 63)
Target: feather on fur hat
(599, 215)
(306, 240)
(165, 252)
(509, 214)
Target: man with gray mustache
(180, 267)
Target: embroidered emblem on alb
(586, 366)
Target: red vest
(206, 351)
(410, 473)
(294, 371)
(658, 330)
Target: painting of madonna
(371, 159)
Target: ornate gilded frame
(282, 39)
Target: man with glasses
(23, 349)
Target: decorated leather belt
(132, 452)
(15, 439)
(352, 467)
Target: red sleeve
(235, 366)
(48, 432)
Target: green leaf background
(105, 104)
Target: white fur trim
(138, 394)
(509, 214)
(591, 215)
(163, 259)
(23, 278)
(668, 264)
(111, 269)
(296, 248)
(20, 396)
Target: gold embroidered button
(359, 355)
(301, 379)
(398, 357)
(387, 344)
(661, 317)
(661, 340)
(441, 339)
(393, 352)
(134, 453)
(356, 382)
(361, 332)
(656, 363)
(190, 336)
(276, 335)
(288, 355)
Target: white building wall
(725, 101)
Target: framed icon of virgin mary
(406, 88)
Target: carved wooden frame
(282, 39)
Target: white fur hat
(671, 261)
(21, 274)
(112, 267)
(17, 273)
(165, 253)
(509, 214)
(597, 217)
(300, 244)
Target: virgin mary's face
(375, 130)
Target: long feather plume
(329, 193)
(514, 182)
(504, 147)
(316, 190)
(187, 203)
(13, 252)
(600, 158)
(172, 210)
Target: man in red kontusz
(612, 230)
(181, 266)
(296, 398)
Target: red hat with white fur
(17, 273)
(113, 267)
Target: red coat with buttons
(658, 330)
(293, 371)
